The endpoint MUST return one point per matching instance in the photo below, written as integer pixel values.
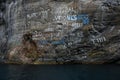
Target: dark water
(59, 72)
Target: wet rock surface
(60, 31)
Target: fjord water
(59, 72)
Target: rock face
(60, 31)
(27, 52)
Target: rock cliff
(60, 31)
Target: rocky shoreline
(58, 63)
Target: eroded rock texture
(62, 31)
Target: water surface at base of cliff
(59, 72)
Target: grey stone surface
(77, 31)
